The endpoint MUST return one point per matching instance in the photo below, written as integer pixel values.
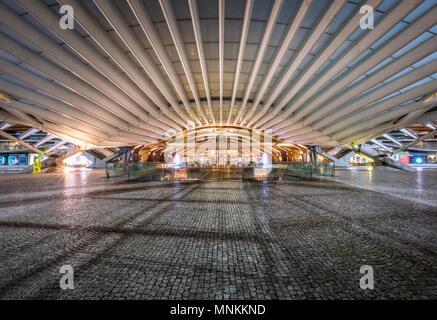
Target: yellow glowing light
(430, 98)
(4, 98)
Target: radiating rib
(243, 38)
(118, 92)
(359, 47)
(199, 44)
(115, 18)
(262, 49)
(371, 81)
(318, 31)
(407, 35)
(180, 48)
(221, 52)
(291, 32)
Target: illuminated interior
(225, 145)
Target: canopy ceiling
(130, 71)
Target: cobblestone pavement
(211, 240)
(420, 186)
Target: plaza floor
(219, 240)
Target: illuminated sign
(431, 97)
(12, 160)
(419, 160)
(22, 159)
(404, 157)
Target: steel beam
(381, 158)
(389, 137)
(56, 106)
(326, 20)
(409, 133)
(62, 94)
(21, 142)
(56, 146)
(430, 125)
(57, 118)
(46, 16)
(72, 82)
(396, 66)
(47, 138)
(410, 144)
(28, 133)
(6, 125)
(334, 121)
(382, 145)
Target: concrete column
(314, 152)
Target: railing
(116, 170)
(298, 170)
(272, 171)
(160, 171)
(275, 171)
(324, 169)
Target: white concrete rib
(57, 118)
(62, 76)
(318, 31)
(48, 18)
(194, 11)
(56, 106)
(285, 44)
(340, 118)
(71, 98)
(61, 93)
(180, 48)
(389, 21)
(243, 39)
(410, 33)
(369, 82)
(371, 116)
(115, 18)
(82, 84)
(221, 10)
(271, 23)
(115, 51)
(339, 39)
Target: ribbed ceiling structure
(132, 70)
